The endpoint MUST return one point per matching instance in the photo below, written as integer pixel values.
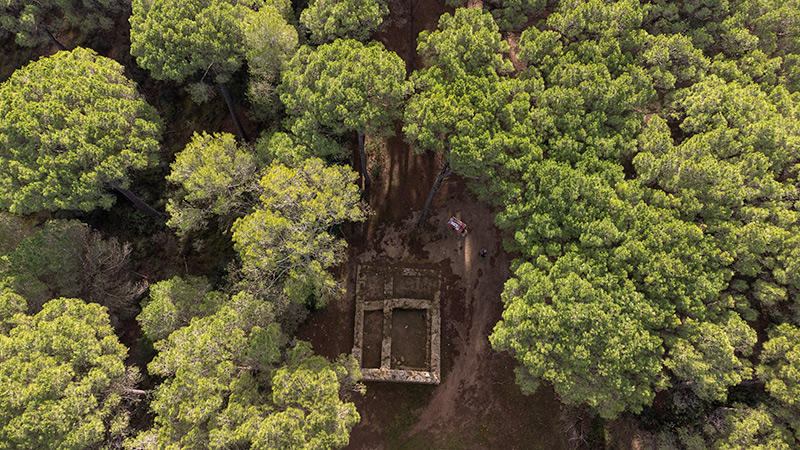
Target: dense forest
(178, 180)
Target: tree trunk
(412, 41)
(139, 203)
(444, 173)
(53, 38)
(363, 155)
(227, 96)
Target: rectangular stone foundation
(420, 289)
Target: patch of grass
(455, 441)
(405, 404)
(401, 423)
(481, 435)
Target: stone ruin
(397, 324)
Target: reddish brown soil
(477, 405)
(409, 335)
(373, 337)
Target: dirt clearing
(478, 404)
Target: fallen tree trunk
(139, 203)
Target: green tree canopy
(63, 378)
(282, 147)
(205, 364)
(34, 23)
(679, 227)
(178, 39)
(625, 234)
(751, 428)
(460, 105)
(287, 241)
(730, 173)
(11, 305)
(597, 19)
(780, 370)
(340, 87)
(328, 20)
(483, 124)
(780, 367)
(174, 302)
(229, 384)
(13, 229)
(589, 333)
(467, 42)
(512, 14)
(202, 40)
(270, 43)
(670, 60)
(217, 176)
(711, 356)
(309, 411)
(70, 124)
(735, 427)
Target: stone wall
(379, 289)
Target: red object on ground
(457, 224)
